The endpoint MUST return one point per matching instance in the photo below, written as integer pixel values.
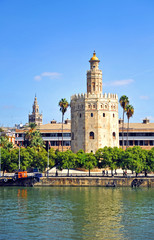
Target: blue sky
(45, 47)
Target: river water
(76, 213)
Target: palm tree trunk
(123, 131)
(127, 132)
(62, 130)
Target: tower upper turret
(94, 61)
(94, 76)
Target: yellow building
(139, 134)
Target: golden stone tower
(94, 115)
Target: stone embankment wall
(96, 181)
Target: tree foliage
(135, 159)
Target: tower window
(72, 135)
(114, 134)
(91, 114)
(80, 115)
(91, 135)
(113, 115)
(89, 106)
(93, 106)
(103, 114)
(93, 85)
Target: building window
(80, 115)
(130, 143)
(93, 106)
(136, 143)
(91, 114)
(91, 135)
(113, 115)
(120, 143)
(72, 135)
(145, 143)
(151, 143)
(103, 114)
(89, 106)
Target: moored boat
(21, 178)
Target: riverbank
(97, 181)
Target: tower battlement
(104, 96)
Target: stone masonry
(94, 115)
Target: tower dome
(94, 58)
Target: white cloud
(144, 97)
(123, 82)
(51, 75)
(8, 107)
(37, 78)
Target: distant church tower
(94, 116)
(35, 117)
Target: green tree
(135, 158)
(81, 158)
(4, 142)
(40, 160)
(63, 108)
(129, 113)
(52, 157)
(104, 157)
(90, 162)
(33, 137)
(36, 140)
(124, 101)
(14, 162)
(29, 133)
(149, 161)
(5, 160)
(67, 160)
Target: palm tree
(63, 108)
(28, 134)
(124, 101)
(129, 112)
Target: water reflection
(76, 213)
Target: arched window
(91, 114)
(91, 135)
(80, 115)
(113, 115)
(114, 134)
(103, 114)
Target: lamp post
(0, 156)
(19, 157)
(48, 161)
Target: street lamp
(19, 157)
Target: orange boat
(21, 178)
